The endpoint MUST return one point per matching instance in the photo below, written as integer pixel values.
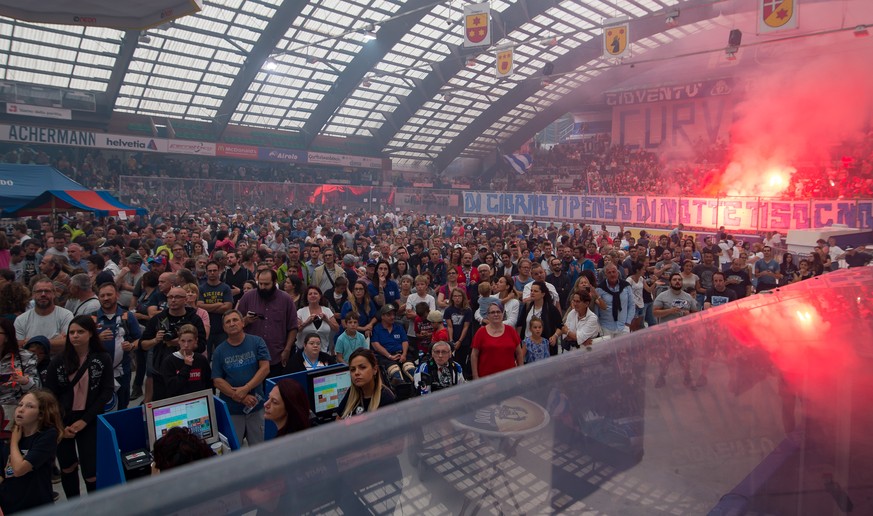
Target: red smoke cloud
(792, 116)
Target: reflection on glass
(761, 405)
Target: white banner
(186, 147)
(342, 160)
(131, 143)
(39, 111)
(735, 214)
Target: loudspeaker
(735, 38)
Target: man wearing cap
(391, 345)
(128, 277)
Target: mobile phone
(5, 377)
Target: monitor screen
(327, 388)
(195, 411)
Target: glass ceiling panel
(54, 55)
(215, 40)
(318, 47)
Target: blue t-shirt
(237, 365)
(392, 340)
(392, 291)
(363, 318)
(345, 345)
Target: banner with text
(735, 214)
(673, 124)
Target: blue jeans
(650, 314)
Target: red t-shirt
(440, 335)
(496, 353)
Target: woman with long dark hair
(541, 305)
(367, 392)
(788, 268)
(288, 407)
(81, 378)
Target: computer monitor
(195, 411)
(326, 389)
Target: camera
(170, 335)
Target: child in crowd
(351, 339)
(536, 347)
(41, 349)
(422, 327)
(485, 299)
(185, 371)
(440, 333)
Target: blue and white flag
(521, 163)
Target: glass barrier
(761, 406)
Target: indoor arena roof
(393, 72)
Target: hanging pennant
(503, 65)
(477, 25)
(616, 39)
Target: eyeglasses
(442, 352)
(43, 291)
(491, 312)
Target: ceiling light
(366, 83)
(145, 38)
(861, 31)
(270, 65)
(471, 62)
(731, 54)
(672, 18)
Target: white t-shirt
(30, 324)
(323, 330)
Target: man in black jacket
(161, 337)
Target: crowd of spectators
(396, 296)
(590, 166)
(595, 167)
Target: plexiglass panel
(761, 406)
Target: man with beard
(161, 337)
(44, 319)
(32, 259)
(674, 302)
(119, 333)
(705, 271)
(270, 313)
(216, 298)
(235, 275)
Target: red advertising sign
(236, 151)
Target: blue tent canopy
(22, 183)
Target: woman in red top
(496, 346)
